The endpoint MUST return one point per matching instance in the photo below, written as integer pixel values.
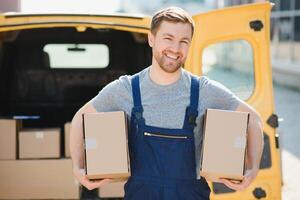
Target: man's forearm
(76, 141)
(76, 136)
(255, 141)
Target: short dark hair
(171, 14)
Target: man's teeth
(171, 56)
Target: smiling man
(166, 105)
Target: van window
(231, 63)
(77, 55)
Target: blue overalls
(163, 160)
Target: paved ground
(287, 102)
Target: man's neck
(160, 77)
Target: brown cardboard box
(224, 145)
(38, 179)
(67, 139)
(112, 190)
(39, 143)
(8, 138)
(106, 148)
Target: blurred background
(285, 58)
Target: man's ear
(150, 39)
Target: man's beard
(167, 66)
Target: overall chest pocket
(169, 155)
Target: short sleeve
(105, 100)
(114, 96)
(217, 96)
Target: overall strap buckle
(137, 112)
(191, 116)
(192, 120)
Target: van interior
(43, 71)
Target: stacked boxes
(67, 139)
(8, 138)
(38, 179)
(31, 166)
(39, 143)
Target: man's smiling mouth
(171, 56)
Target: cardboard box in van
(67, 129)
(8, 138)
(112, 190)
(38, 179)
(39, 143)
(106, 145)
(224, 145)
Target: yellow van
(51, 64)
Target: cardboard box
(8, 138)
(112, 190)
(67, 139)
(106, 145)
(224, 145)
(39, 143)
(38, 179)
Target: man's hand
(89, 184)
(247, 180)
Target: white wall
(9, 5)
(70, 6)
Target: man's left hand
(247, 180)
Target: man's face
(170, 45)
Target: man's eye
(185, 42)
(167, 38)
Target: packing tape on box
(239, 142)
(90, 143)
(39, 134)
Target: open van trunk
(37, 79)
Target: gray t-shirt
(165, 105)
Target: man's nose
(175, 47)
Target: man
(166, 104)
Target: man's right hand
(89, 184)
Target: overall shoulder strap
(194, 97)
(136, 93)
(137, 110)
(192, 110)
